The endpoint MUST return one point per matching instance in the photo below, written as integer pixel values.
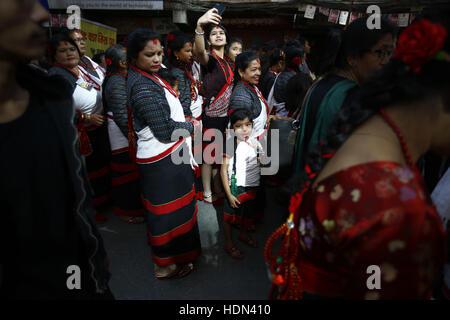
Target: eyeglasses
(79, 39)
(383, 54)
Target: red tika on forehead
(257, 60)
(77, 31)
(66, 43)
(155, 41)
(189, 44)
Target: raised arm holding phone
(218, 85)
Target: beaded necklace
(400, 137)
(163, 83)
(194, 83)
(228, 73)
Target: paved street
(216, 275)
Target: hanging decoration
(346, 17)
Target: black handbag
(287, 129)
(287, 133)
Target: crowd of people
(80, 135)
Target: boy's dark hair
(238, 115)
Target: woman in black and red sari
(126, 193)
(89, 117)
(218, 85)
(97, 163)
(246, 95)
(163, 140)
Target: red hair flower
(296, 61)
(169, 51)
(108, 61)
(419, 42)
(170, 37)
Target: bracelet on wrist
(199, 33)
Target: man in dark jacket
(50, 247)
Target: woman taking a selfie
(218, 85)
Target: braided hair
(115, 54)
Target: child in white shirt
(240, 174)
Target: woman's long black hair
(395, 83)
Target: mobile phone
(220, 8)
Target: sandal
(180, 271)
(207, 197)
(249, 241)
(133, 219)
(235, 253)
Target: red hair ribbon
(230, 112)
(169, 51)
(108, 61)
(328, 155)
(170, 37)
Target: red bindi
(189, 44)
(65, 43)
(155, 42)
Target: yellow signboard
(98, 36)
